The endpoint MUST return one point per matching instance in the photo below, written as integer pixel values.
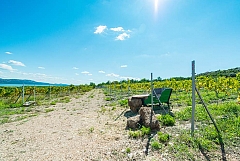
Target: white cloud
(112, 75)
(100, 29)
(85, 72)
(123, 66)
(101, 71)
(122, 36)
(6, 67)
(17, 63)
(7, 52)
(75, 68)
(126, 78)
(76, 74)
(41, 68)
(89, 74)
(117, 29)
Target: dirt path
(83, 129)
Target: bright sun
(156, 6)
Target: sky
(82, 41)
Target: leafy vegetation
(166, 120)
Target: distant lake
(20, 85)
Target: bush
(155, 144)
(163, 137)
(166, 120)
(123, 102)
(145, 130)
(134, 134)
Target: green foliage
(155, 144)
(134, 134)
(49, 110)
(128, 150)
(163, 137)
(184, 114)
(108, 98)
(91, 129)
(103, 109)
(166, 120)
(145, 130)
(123, 102)
(53, 103)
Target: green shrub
(166, 120)
(145, 130)
(163, 137)
(134, 134)
(155, 144)
(123, 102)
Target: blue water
(20, 85)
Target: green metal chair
(160, 96)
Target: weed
(123, 102)
(128, 150)
(163, 138)
(53, 103)
(155, 144)
(49, 110)
(91, 129)
(145, 130)
(166, 120)
(108, 98)
(134, 134)
(103, 109)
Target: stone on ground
(148, 118)
(135, 104)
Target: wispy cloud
(100, 29)
(76, 74)
(117, 29)
(85, 72)
(122, 36)
(7, 52)
(101, 71)
(17, 63)
(75, 68)
(41, 68)
(123, 66)
(6, 67)
(112, 75)
(90, 74)
(126, 78)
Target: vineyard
(214, 89)
(13, 98)
(221, 95)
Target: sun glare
(156, 6)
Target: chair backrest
(165, 95)
(158, 91)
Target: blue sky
(82, 41)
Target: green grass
(49, 110)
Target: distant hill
(28, 82)
(227, 73)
